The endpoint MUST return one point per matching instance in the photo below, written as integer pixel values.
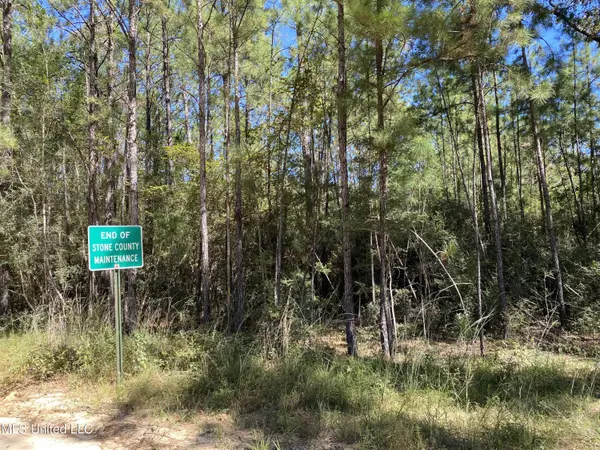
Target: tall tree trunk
(539, 159)
(482, 124)
(479, 250)
(440, 138)
(166, 69)
(501, 165)
(455, 145)
(270, 134)
(66, 200)
(203, 276)
(348, 303)
(150, 161)
(307, 146)
(576, 223)
(387, 327)
(484, 183)
(517, 144)
(239, 268)
(472, 204)
(131, 306)
(226, 151)
(280, 221)
(92, 103)
(112, 160)
(210, 135)
(6, 94)
(593, 178)
(152, 157)
(109, 200)
(592, 139)
(226, 148)
(280, 197)
(5, 108)
(576, 144)
(186, 117)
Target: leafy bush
(50, 360)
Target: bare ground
(54, 403)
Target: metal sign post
(118, 324)
(115, 248)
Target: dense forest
(418, 168)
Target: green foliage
(288, 110)
(48, 361)
(7, 138)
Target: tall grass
(527, 400)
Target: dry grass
(436, 395)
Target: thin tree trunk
(186, 118)
(93, 100)
(203, 276)
(5, 109)
(576, 200)
(539, 157)
(66, 202)
(481, 119)
(348, 303)
(472, 208)
(455, 146)
(517, 143)
(166, 69)
(372, 251)
(593, 178)
(592, 153)
(501, 165)
(280, 215)
(308, 168)
(281, 201)
(484, 184)
(582, 224)
(269, 117)
(112, 160)
(479, 251)
(123, 181)
(6, 94)
(131, 306)
(239, 268)
(442, 145)
(151, 156)
(388, 337)
(226, 148)
(309, 219)
(209, 130)
(307, 144)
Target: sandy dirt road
(48, 417)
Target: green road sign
(115, 247)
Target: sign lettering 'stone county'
(115, 247)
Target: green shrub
(50, 360)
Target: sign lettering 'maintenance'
(115, 247)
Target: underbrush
(513, 399)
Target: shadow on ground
(316, 398)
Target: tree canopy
(422, 168)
